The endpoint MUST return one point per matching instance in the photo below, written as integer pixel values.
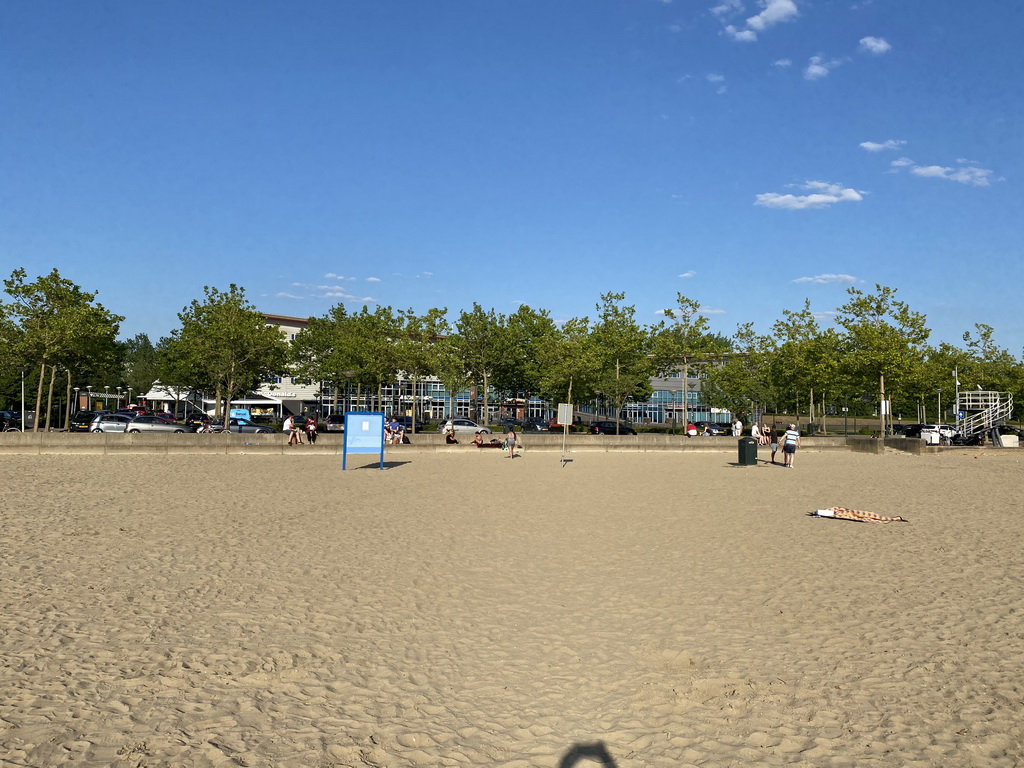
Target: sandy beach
(466, 610)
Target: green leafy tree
(324, 350)
(682, 340)
(624, 347)
(50, 324)
(139, 363)
(745, 374)
(417, 344)
(519, 368)
(569, 363)
(883, 341)
(225, 345)
(480, 336)
(450, 368)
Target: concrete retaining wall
(45, 443)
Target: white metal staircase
(983, 411)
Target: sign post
(364, 433)
(565, 419)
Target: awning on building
(250, 401)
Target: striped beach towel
(856, 515)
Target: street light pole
(22, 398)
(938, 417)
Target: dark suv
(82, 420)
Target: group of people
(394, 432)
(294, 431)
(769, 436)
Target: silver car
(109, 422)
(153, 424)
(463, 427)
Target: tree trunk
(39, 396)
(49, 397)
(67, 411)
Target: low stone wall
(45, 443)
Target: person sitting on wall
(449, 436)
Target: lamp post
(106, 394)
(22, 398)
(78, 403)
(118, 399)
(129, 396)
(938, 416)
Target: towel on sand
(857, 515)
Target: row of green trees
(58, 336)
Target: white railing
(982, 410)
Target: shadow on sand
(596, 752)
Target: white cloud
(821, 195)
(818, 68)
(688, 273)
(775, 12)
(876, 45)
(727, 8)
(783, 63)
(373, 279)
(287, 296)
(874, 146)
(967, 173)
(827, 279)
(976, 177)
(741, 35)
(710, 311)
(713, 78)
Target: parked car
(109, 422)
(196, 421)
(465, 427)
(334, 423)
(608, 428)
(10, 421)
(153, 424)
(912, 430)
(244, 425)
(536, 425)
(82, 421)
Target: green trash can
(748, 452)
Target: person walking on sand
(790, 442)
(773, 440)
(510, 442)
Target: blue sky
(418, 154)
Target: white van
(938, 434)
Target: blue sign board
(364, 433)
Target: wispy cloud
(373, 279)
(875, 45)
(827, 279)
(821, 194)
(772, 12)
(719, 80)
(874, 146)
(688, 273)
(782, 63)
(728, 8)
(966, 173)
(711, 311)
(283, 295)
(819, 67)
